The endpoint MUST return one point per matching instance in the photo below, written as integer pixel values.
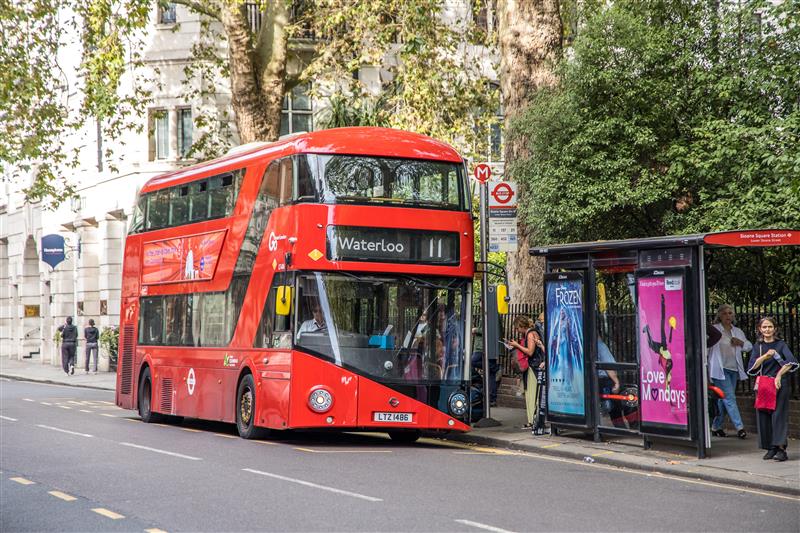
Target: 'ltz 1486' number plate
(405, 418)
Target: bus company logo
(363, 245)
(567, 298)
(190, 381)
(272, 242)
(230, 360)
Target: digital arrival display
(391, 245)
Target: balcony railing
(255, 17)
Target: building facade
(36, 298)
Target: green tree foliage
(672, 117)
(433, 80)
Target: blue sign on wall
(53, 249)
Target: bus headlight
(458, 404)
(320, 400)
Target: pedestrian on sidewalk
(529, 353)
(69, 345)
(772, 357)
(726, 367)
(92, 336)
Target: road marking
(309, 450)
(28, 400)
(76, 402)
(64, 431)
(65, 407)
(191, 430)
(108, 415)
(22, 481)
(609, 452)
(45, 403)
(133, 419)
(8, 418)
(165, 452)
(155, 530)
(106, 401)
(269, 443)
(482, 526)
(108, 514)
(86, 411)
(551, 446)
(314, 485)
(225, 436)
(62, 495)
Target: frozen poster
(662, 350)
(565, 347)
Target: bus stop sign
(482, 172)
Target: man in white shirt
(315, 324)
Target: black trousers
(773, 428)
(68, 353)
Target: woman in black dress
(772, 357)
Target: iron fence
(622, 329)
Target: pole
(487, 420)
(75, 256)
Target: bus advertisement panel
(662, 350)
(565, 346)
(182, 259)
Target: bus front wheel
(146, 397)
(246, 409)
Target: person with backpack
(529, 356)
(69, 346)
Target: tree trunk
(251, 120)
(530, 35)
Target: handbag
(766, 393)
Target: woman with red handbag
(525, 352)
(771, 358)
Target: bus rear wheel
(405, 436)
(146, 398)
(246, 409)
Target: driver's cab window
(274, 329)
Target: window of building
(166, 12)
(159, 134)
(184, 131)
(297, 110)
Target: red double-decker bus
(321, 281)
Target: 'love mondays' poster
(662, 350)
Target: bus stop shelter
(625, 332)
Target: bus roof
(383, 142)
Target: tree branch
(210, 8)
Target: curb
(631, 465)
(51, 382)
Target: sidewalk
(730, 460)
(46, 373)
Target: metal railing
(622, 332)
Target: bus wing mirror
(283, 302)
(501, 291)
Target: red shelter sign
(767, 237)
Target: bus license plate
(404, 418)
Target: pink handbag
(766, 393)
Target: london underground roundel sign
(482, 172)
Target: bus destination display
(392, 245)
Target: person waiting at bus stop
(772, 357)
(726, 367)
